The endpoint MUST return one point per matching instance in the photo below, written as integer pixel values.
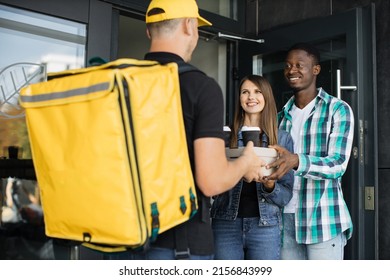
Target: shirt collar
(321, 95)
(163, 57)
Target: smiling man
(317, 223)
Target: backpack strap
(182, 250)
(186, 67)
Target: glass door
(347, 55)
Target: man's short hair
(309, 48)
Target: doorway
(347, 59)
(209, 55)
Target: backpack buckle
(182, 255)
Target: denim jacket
(225, 205)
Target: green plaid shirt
(326, 142)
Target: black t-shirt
(249, 204)
(202, 104)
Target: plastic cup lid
(250, 128)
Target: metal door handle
(361, 126)
(340, 87)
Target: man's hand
(254, 174)
(283, 164)
(268, 185)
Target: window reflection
(225, 8)
(30, 40)
(37, 38)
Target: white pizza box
(269, 155)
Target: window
(225, 8)
(31, 42)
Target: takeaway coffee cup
(251, 133)
(226, 135)
(268, 155)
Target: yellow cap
(175, 9)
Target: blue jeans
(154, 253)
(329, 250)
(244, 239)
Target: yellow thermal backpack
(110, 154)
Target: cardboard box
(267, 154)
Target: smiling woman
(248, 217)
